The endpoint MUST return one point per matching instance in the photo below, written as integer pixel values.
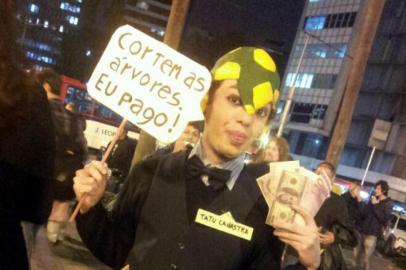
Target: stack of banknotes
(287, 184)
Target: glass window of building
(314, 22)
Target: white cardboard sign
(149, 84)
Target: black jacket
(375, 216)
(122, 155)
(150, 218)
(333, 216)
(353, 206)
(71, 149)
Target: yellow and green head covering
(256, 74)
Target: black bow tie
(217, 177)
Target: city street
(72, 255)
(69, 254)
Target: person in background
(122, 154)
(70, 106)
(27, 147)
(189, 138)
(353, 200)
(120, 159)
(335, 227)
(276, 150)
(71, 152)
(154, 222)
(374, 216)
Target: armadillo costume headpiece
(256, 74)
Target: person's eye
(262, 113)
(235, 100)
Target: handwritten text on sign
(150, 84)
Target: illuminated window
(61, 28)
(340, 53)
(69, 7)
(142, 5)
(303, 80)
(315, 22)
(289, 79)
(72, 20)
(34, 8)
(46, 24)
(319, 51)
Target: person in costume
(202, 208)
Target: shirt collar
(235, 165)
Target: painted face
(229, 129)
(272, 152)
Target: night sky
(271, 24)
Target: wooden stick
(106, 155)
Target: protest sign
(153, 86)
(289, 184)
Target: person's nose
(245, 118)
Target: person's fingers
(95, 172)
(303, 212)
(82, 173)
(301, 243)
(290, 235)
(100, 166)
(84, 180)
(287, 228)
(293, 243)
(322, 237)
(81, 188)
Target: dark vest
(165, 239)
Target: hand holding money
(303, 238)
(287, 183)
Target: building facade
(329, 27)
(323, 37)
(382, 96)
(148, 16)
(43, 25)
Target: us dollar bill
(289, 191)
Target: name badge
(224, 223)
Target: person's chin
(234, 150)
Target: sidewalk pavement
(377, 262)
(70, 254)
